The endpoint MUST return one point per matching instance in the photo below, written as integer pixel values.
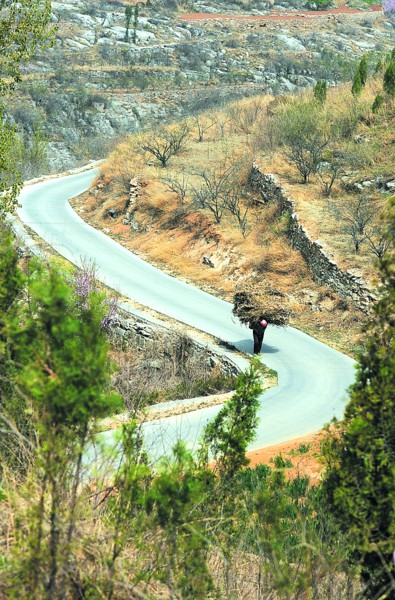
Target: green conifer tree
(378, 103)
(61, 375)
(135, 22)
(11, 281)
(128, 14)
(363, 70)
(320, 91)
(357, 86)
(389, 79)
(361, 481)
(226, 437)
(379, 67)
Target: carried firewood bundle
(254, 301)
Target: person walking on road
(258, 331)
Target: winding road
(312, 377)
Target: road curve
(312, 377)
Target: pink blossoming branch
(84, 283)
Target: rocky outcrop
(166, 341)
(97, 84)
(324, 269)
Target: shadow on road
(247, 346)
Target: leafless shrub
(166, 143)
(378, 240)
(214, 191)
(356, 218)
(246, 116)
(239, 208)
(179, 186)
(204, 123)
(328, 172)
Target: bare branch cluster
(166, 143)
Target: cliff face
(105, 78)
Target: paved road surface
(313, 378)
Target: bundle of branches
(254, 301)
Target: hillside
(291, 194)
(96, 84)
(159, 214)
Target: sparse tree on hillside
(166, 143)
(179, 186)
(222, 122)
(178, 135)
(128, 15)
(328, 172)
(203, 123)
(320, 91)
(213, 193)
(301, 128)
(378, 241)
(389, 79)
(239, 208)
(356, 218)
(135, 22)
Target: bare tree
(178, 136)
(378, 241)
(328, 172)
(356, 217)
(203, 124)
(247, 115)
(178, 186)
(214, 191)
(222, 122)
(161, 147)
(166, 143)
(239, 209)
(301, 130)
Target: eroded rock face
(141, 333)
(101, 80)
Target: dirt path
(342, 9)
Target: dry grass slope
(177, 235)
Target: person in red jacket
(258, 331)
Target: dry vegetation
(371, 147)
(161, 370)
(177, 235)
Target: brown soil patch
(306, 464)
(342, 9)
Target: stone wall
(324, 270)
(143, 333)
